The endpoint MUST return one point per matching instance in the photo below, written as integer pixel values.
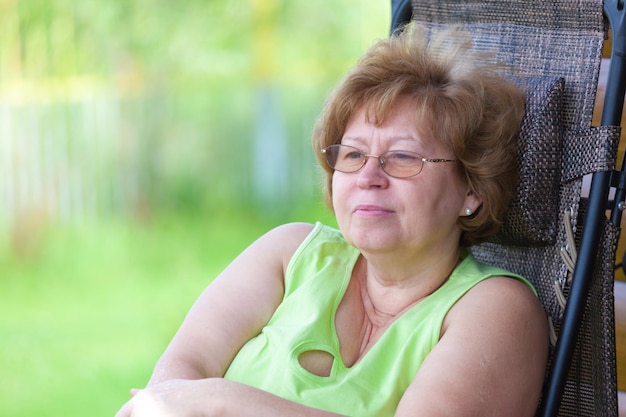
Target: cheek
(336, 193)
(340, 194)
(435, 196)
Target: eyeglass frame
(382, 160)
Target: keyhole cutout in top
(317, 362)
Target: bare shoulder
(491, 356)
(266, 258)
(291, 231)
(285, 239)
(503, 309)
(503, 297)
(500, 291)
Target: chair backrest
(556, 46)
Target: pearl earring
(468, 211)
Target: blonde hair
(461, 97)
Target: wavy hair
(461, 96)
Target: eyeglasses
(397, 164)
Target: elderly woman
(390, 315)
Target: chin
(369, 240)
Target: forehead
(398, 126)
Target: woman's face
(379, 213)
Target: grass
(86, 314)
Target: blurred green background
(143, 144)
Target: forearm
(238, 400)
(213, 397)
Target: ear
(471, 203)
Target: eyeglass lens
(348, 159)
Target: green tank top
(315, 281)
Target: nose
(372, 174)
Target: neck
(392, 289)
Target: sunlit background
(143, 144)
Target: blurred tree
(193, 90)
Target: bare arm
(213, 397)
(490, 360)
(232, 310)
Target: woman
(391, 315)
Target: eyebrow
(391, 140)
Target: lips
(371, 210)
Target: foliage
(206, 103)
(194, 38)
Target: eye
(353, 155)
(403, 157)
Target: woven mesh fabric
(554, 39)
(563, 15)
(532, 220)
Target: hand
(172, 398)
